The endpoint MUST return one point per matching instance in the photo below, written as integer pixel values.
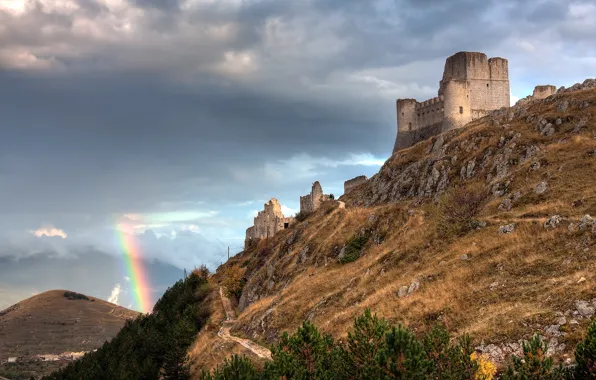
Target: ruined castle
(472, 85)
(311, 202)
(267, 223)
(271, 220)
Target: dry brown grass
(536, 270)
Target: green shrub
(353, 248)
(585, 355)
(235, 368)
(304, 355)
(534, 364)
(75, 296)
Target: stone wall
(543, 92)
(311, 202)
(540, 92)
(267, 223)
(407, 139)
(352, 183)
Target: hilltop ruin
(472, 85)
(267, 223)
(271, 220)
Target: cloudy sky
(170, 122)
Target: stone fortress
(472, 86)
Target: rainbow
(134, 268)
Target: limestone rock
(587, 222)
(506, 205)
(303, 254)
(584, 309)
(413, 287)
(553, 221)
(507, 229)
(403, 291)
(464, 257)
(541, 187)
(562, 107)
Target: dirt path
(224, 331)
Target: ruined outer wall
(543, 92)
(406, 114)
(306, 204)
(407, 139)
(352, 183)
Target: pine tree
(365, 342)
(534, 364)
(585, 355)
(404, 356)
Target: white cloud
(287, 211)
(126, 278)
(49, 231)
(115, 293)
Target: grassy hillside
(55, 322)
(521, 261)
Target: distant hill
(55, 322)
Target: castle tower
(406, 122)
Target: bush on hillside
(202, 271)
(75, 296)
(585, 355)
(534, 364)
(353, 248)
(458, 209)
(301, 216)
(234, 281)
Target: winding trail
(224, 331)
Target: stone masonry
(267, 223)
(352, 183)
(311, 202)
(472, 85)
(540, 92)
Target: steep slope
(526, 266)
(56, 322)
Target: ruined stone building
(311, 202)
(267, 223)
(352, 183)
(472, 85)
(540, 92)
